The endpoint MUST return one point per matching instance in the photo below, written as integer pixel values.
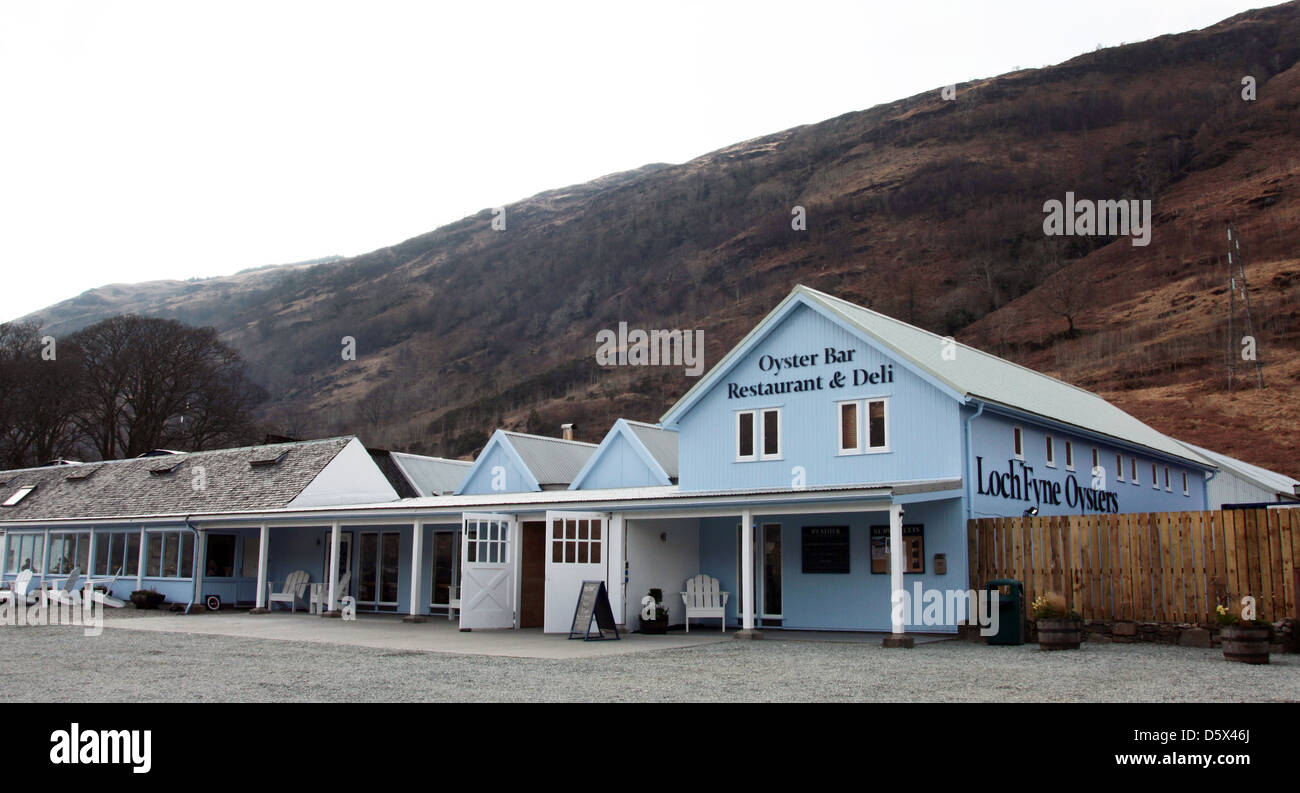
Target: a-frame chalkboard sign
(593, 606)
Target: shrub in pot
(1058, 628)
(1243, 641)
(147, 598)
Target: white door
(487, 590)
(575, 552)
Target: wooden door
(532, 575)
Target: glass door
(378, 569)
(770, 580)
(446, 570)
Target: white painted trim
(747, 569)
(139, 568)
(896, 567)
(263, 545)
(417, 558)
(331, 602)
(616, 554)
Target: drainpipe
(970, 497)
(194, 570)
(1207, 481)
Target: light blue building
(828, 436)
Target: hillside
(926, 209)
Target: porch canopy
(616, 504)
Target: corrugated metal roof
(1261, 477)
(228, 482)
(432, 476)
(669, 493)
(974, 373)
(552, 461)
(661, 443)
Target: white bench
(703, 598)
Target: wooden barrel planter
(1059, 634)
(1246, 644)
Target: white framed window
(769, 446)
(1155, 479)
(1018, 443)
(1051, 452)
(849, 428)
(1096, 461)
(1185, 490)
(1168, 489)
(745, 432)
(1119, 468)
(877, 425)
(863, 426)
(1069, 456)
(1133, 469)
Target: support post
(90, 555)
(417, 564)
(139, 567)
(332, 602)
(263, 545)
(747, 577)
(897, 636)
(200, 550)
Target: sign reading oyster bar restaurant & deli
(777, 365)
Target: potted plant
(1244, 641)
(653, 605)
(147, 598)
(1058, 627)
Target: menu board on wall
(913, 548)
(825, 549)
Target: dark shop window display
(913, 548)
(825, 549)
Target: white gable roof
(1261, 477)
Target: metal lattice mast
(1237, 281)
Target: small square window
(1051, 452)
(1133, 469)
(1018, 442)
(1185, 491)
(1155, 480)
(1069, 456)
(1119, 468)
(1167, 487)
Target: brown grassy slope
(926, 209)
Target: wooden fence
(1157, 567)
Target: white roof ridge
(975, 350)
(518, 434)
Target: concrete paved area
(438, 635)
(849, 637)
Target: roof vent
(566, 431)
(83, 472)
(266, 459)
(165, 468)
(19, 495)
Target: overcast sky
(141, 141)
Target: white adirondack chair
(703, 598)
(295, 586)
(66, 592)
(320, 593)
(106, 597)
(20, 590)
